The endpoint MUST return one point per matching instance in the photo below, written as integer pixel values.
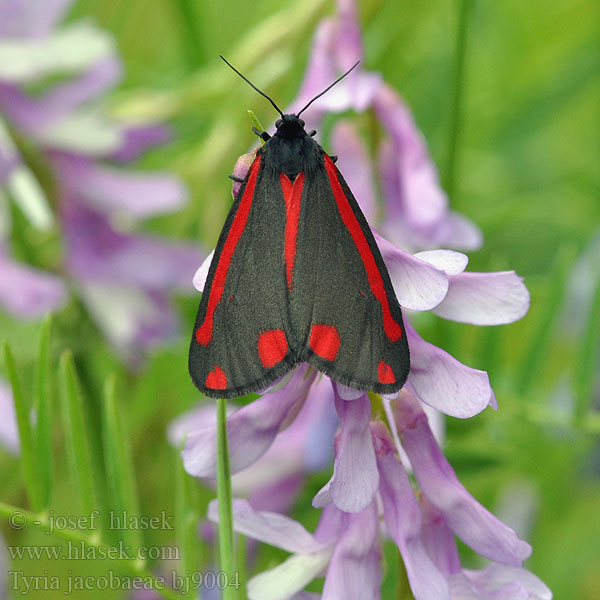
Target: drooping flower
(277, 464)
(422, 523)
(124, 280)
(417, 215)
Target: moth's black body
(329, 288)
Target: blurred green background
(526, 171)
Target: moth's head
(290, 126)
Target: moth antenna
(326, 89)
(254, 87)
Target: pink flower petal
(485, 298)
(460, 233)
(354, 571)
(269, 527)
(117, 191)
(494, 579)
(449, 261)
(28, 292)
(24, 18)
(97, 252)
(199, 280)
(355, 479)
(444, 383)
(354, 164)
(418, 284)
(471, 522)
(403, 519)
(137, 139)
(251, 430)
(423, 201)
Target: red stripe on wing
(204, 333)
(393, 330)
(292, 195)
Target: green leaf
(76, 433)
(29, 460)
(42, 406)
(118, 462)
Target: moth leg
(263, 135)
(238, 179)
(333, 158)
(312, 132)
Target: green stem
(226, 552)
(457, 98)
(40, 521)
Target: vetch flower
(422, 523)
(417, 215)
(125, 280)
(345, 547)
(274, 480)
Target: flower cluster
(61, 158)
(289, 430)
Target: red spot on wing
(204, 333)
(385, 374)
(272, 347)
(393, 330)
(292, 195)
(324, 341)
(216, 379)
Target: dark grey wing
(342, 302)
(241, 339)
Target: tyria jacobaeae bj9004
(296, 277)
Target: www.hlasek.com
(24, 583)
(81, 550)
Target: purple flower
(274, 479)
(422, 523)
(124, 280)
(345, 547)
(27, 292)
(416, 207)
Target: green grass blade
(29, 458)
(457, 99)
(186, 519)
(226, 550)
(78, 448)
(119, 467)
(535, 355)
(43, 410)
(585, 375)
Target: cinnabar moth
(296, 277)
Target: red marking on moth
(216, 379)
(393, 330)
(324, 341)
(292, 195)
(204, 333)
(272, 347)
(385, 374)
